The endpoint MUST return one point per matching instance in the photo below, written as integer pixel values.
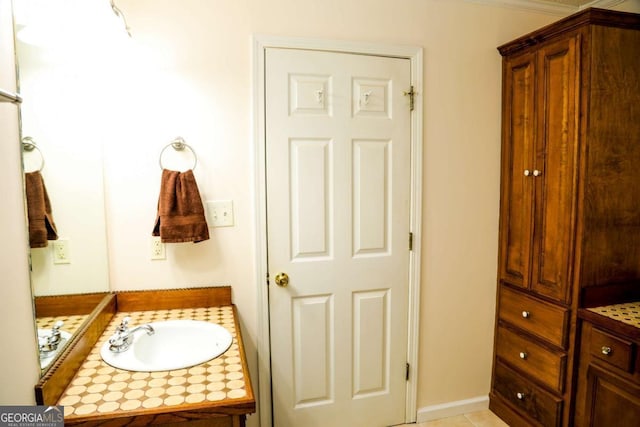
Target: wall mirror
(61, 50)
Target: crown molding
(549, 6)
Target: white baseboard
(451, 409)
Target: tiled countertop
(628, 313)
(71, 323)
(99, 389)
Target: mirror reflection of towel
(41, 225)
(180, 212)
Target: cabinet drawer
(538, 404)
(544, 365)
(542, 319)
(611, 349)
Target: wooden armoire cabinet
(570, 203)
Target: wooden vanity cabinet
(608, 383)
(570, 191)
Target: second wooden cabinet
(608, 383)
(570, 197)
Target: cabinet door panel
(555, 168)
(517, 190)
(611, 401)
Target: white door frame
(415, 55)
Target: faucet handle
(123, 337)
(56, 326)
(124, 325)
(55, 331)
(49, 343)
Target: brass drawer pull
(606, 350)
(523, 355)
(526, 314)
(520, 396)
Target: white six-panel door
(338, 194)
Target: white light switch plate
(220, 213)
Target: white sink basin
(176, 344)
(47, 358)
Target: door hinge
(410, 241)
(411, 94)
(407, 373)
(267, 279)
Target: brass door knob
(282, 280)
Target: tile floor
(474, 419)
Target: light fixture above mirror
(88, 24)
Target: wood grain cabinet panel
(613, 350)
(570, 202)
(531, 358)
(540, 113)
(611, 401)
(555, 171)
(608, 383)
(546, 321)
(517, 213)
(538, 406)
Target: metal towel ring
(178, 144)
(28, 145)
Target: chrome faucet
(50, 343)
(122, 339)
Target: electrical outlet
(220, 213)
(61, 252)
(157, 248)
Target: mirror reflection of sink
(47, 357)
(176, 344)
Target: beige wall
(190, 74)
(195, 81)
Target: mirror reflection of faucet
(122, 339)
(50, 341)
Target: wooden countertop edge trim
(55, 381)
(243, 356)
(65, 305)
(183, 412)
(156, 416)
(611, 324)
(167, 299)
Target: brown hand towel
(41, 225)
(180, 211)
